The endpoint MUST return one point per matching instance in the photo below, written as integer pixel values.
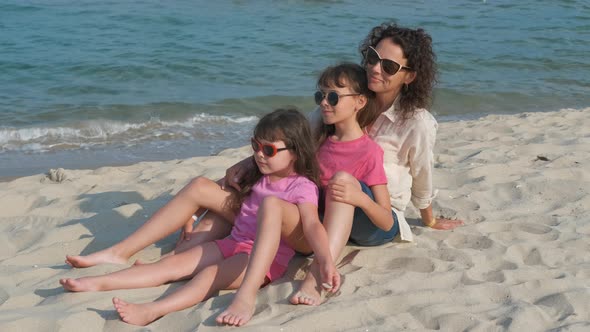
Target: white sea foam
(103, 132)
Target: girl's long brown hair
(290, 126)
(354, 77)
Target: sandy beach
(520, 182)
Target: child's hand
(187, 229)
(330, 277)
(345, 192)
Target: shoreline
(102, 158)
(517, 264)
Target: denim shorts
(364, 232)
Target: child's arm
(379, 211)
(316, 236)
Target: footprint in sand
(24, 236)
(544, 233)
(534, 228)
(494, 273)
(473, 278)
(494, 227)
(504, 265)
(556, 305)
(415, 264)
(3, 296)
(494, 276)
(534, 258)
(464, 241)
(454, 256)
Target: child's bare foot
(238, 313)
(135, 314)
(78, 285)
(99, 257)
(310, 292)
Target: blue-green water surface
(90, 83)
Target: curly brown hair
(355, 77)
(417, 47)
(292, 127)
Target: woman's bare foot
(238, 313)
(99, 257)
(78, 285)
(135, 314)
(310, 292)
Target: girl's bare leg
(172, 268)
(274, 215)
(338, 223)
(226, 274)
(200, 192)
(211, 227)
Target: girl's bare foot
(310, 292)
(78, 285)
(99, 257)
(135, 314)
(238, 313)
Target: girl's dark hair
(417, 47)
(290, 126)
(354, 77)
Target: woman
(401, 70)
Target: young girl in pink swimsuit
(280, 191)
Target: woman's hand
(345, 192)
(438, 223)
(234, 174)
(446, 224)
(186, 230)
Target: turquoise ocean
(93, 83)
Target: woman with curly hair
(401, 71)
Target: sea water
(92, 83)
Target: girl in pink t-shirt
(280, 191)
(353, 181)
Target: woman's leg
(226, 274)
(172, 268)
(337, 220)
(274, 215)
(199, 193)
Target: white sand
(521, 263)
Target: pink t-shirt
(362, 157)
(294, 189)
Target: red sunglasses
(269, 150)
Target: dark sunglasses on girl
(331, 96)
(269, 150)
(389, 66)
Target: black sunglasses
(389, 66)
(331, 96)
(269, 150)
